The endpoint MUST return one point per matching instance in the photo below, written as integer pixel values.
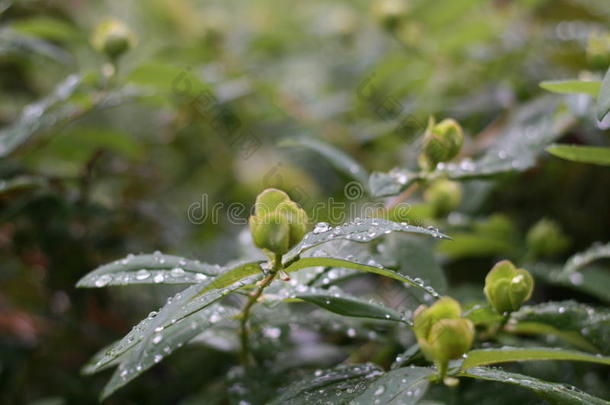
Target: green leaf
(403, 386)
(339, 302)
(555, 393)
(586, 154)
(603, 99)
(158, 268)
(582, 259)
(137, 351)
(483, 357)
(12, 41)
(345, 381)
(414, 257)
(393, 182)
(339, 159)
(481, 314)
(22, 182)
(590, 87)
(582, 321)
(153, 349)
(46, 27)
(40, 115)
(371, 268)
(360, 230)
(592, 280)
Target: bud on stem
(507, 287)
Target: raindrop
(176, 272)
(103, 280)
(321, 227)
(379, 390)
(159, 278)
(142, 274)
(576, 278)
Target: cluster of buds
(507, 287)
(442, 333)
(442, 142)
(278, 222)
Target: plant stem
(252, 299)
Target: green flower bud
(390, 12)
(507, 287)
(546, 238)
(444, 195)
(278, 222)
(598, 49)
(441, 332)
(442, 142)
(112, 38)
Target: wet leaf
(585, 154)
(158, 268)
(403, 386)
(580, 321)
(603, 99)
(360, 230)
(341, 383)
(590, 87)
(339, 302)
(483, 357)
(555, 393)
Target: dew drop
(321, 227)
(142, 274)
(103, 280)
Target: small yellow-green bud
(441, 332)
(112, 38)
(444, 195)
(390, 12)
(507, 287)
(598, 49)
(278, 222)
(442, 142)
(546, 238)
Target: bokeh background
(104, 161)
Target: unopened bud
(442, 142)
(507, 287)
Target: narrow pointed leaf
(325, 386)
(39, 115)
(583, 321)
(376, 268)
(160, 345)
(180, 306)
(603, 99)
(590, 87)
(559, 394)
(154, 268)
(483, 357)
(361, 230)
(403, 386)
(585, 154)
(335, 300)
(582, 259)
